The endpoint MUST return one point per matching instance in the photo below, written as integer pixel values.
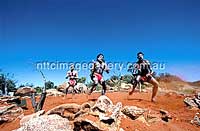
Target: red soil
(171, 102)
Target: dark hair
(100, 55)
(140, 53)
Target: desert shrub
(81, 80)
(7, 80)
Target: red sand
(173, 103)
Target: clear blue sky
(77, 30)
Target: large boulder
(54, 92)
(10, 99)
(25, 91)
(109, 118)
(65, 110)
(86, 125)
(103, 104)
(193, 101)
(125, 86)
(46, 123)
(28, 117)
(116, 112)
(62, 87)
(133, 112)
(4, 109)
(81, 88)
(10, 113)
(196, 120)
(85, 108)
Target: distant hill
(173, 82)
(195, 83)
(166, 77)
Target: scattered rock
(105, 119)
(25, 91)
(196, 120)
(193, 101)
(28, 117)
(10, 99)
(86, 125)
(65, 110)
(121, 129)
(46, 123)
(116, 110)
(4, 109)
(125, 86)
(133, 112)
(109, 119)
(87, 105)
(2, 120)
(85, 108)
(62, 87)
(103, 104)
(81, 88)
(190, 102)
(114, 117)
(165, 116)
(101, 115)
(9, 113)
(152, 116)
(54, 92)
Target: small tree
(127, 78)
(81, 80)
(38, 89)
(115, 80)
(90, 84)
(49, 85)
(22, 85)
(7, 81)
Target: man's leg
(66, 91)
(73, 90)
(103, 92)
(95, 83)
(155, 84)
(92, 89)
(134, 84)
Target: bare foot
(89, 93)
(153, 100)
(131, 92)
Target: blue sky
(77, 30)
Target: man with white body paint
(98, 67)
(144, 74)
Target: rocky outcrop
(133, 112)
(125, 86)
(25, 91)
(65, 110)
(101, 115)
(54, 92)
(193, 101)
(46, 123)
(9, 113)
(79, 88)
(28, 117)
(10, 99)
(196, 120)
(103, 104)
